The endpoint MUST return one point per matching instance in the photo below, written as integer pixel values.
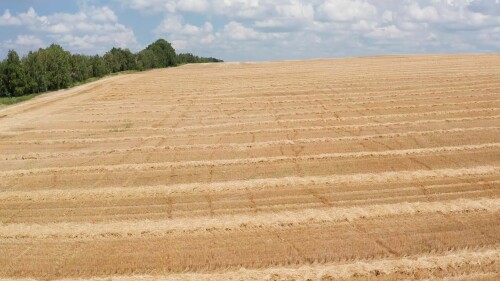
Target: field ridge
(384, 168)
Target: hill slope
(344, 168)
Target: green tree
(118, 59)
(164, 54)
(58, 67)
(190, 58)
(128, 60)
(13, 75)
(145, 60)
(112, 60)
(35, 67)
(3, 86)
(186, 58)
(99, 67)
(29, 66)
(81, 68)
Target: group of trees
(190, 58)
(54, 68)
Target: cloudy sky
(255, 30)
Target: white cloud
(8, 19)
(93, 29)
(22, 44)
(385, 32)
(362, 26)
(232, 9)
(238, 31)
(150, 5)
(346, 10)
(242, 9)
(451, 12)
(100, 40)
(31, 19)
(208, 39)
(387, 16)
(169, 24)
(427, 14)
(103, 14)
(29, 40)
(183, 35)
(175, 25)
(296, 10)
(195, 6)
(291, 16)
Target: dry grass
(406, 267)
(367, 168)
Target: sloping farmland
(359, 168)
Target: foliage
(190, 58)
(145, 60)
(81, 68)
(13, 76)
(99, 67)
(58, 67)
(117, 60)
(163, 54)
(54, 68)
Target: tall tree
(81, 68)
(112, 60)
(14, 78)
(118, 59)
(187, 58)
(99, 67)
(58, 67)
(164, 53)
(35, 68)
(3, 86)
(145, 60)
(128, 60)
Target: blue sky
(255, 30)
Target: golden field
(382, 168)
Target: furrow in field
(239, 146)
(309, 106)
(272, 199)
(338, 102)
(284, 123)
(238, 132)
(239, 185)
(244, 161)
(334, 94)
(291, 108)
(393, 237)
(187, 109)
(334, 100)
(147, 228)
(407, 267)
(258, 170)
(298, 112)
(338, 91)
(306, 111)
(103, 141)
(288, 97)
(200, 108)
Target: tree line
(54, 68)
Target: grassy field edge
(7, 101)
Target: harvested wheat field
(359, 168)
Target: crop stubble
(357, 168)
